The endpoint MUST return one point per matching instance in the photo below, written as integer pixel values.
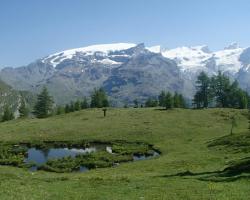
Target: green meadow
(196, 150)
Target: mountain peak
(125, 69)
(203, 48)
(233, 45)
(57, 58)
(155, 49)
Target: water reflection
(40, 156)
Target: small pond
(41, 156)
(38, 157)
(73, 157)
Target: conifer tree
(67, 108)
(84, 103)
(203, 95)
(224, 93)
(151, 103)
(242, 99)
(23, 110)
(59, 110)
(169, 101)
(77, 105)
(99, 99)
(72, 106)
(105, 102)
(197, 102)
(7, 114)
(248, 118)
(162, 98)
(176, 99)
(182, 101)
(44, 104)
(221, 87)
(136, 104)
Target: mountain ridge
(127, 71)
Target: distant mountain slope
(233, 61)
(200, 57)
(12, 98)
(75, 73)
(144, 74)
(127, 71)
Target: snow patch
(188, 57)
(104, 49)
(154, 49)
(228, 60)
(196, 58)
(107, 61)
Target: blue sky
(30, 29)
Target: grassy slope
(181, 135)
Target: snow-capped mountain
(189, 59)
(233, 60)
(104, 53)
(197, 58)
(127, 71)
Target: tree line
(165, 99)
(45, 107)
(215, 91)
(98, 98)
(219, 91)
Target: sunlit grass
(181, 135)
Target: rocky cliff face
(144, 74)
(12, 98)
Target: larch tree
(7, 114)
(84, 103)
(162, 98)
(44, 105)
(203, 95)
(169, 101)
(23, 110)
(99, 99)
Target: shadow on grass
(233, 143)
(188, 173)
(216, 176)
(238, 170)
(160, 109)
